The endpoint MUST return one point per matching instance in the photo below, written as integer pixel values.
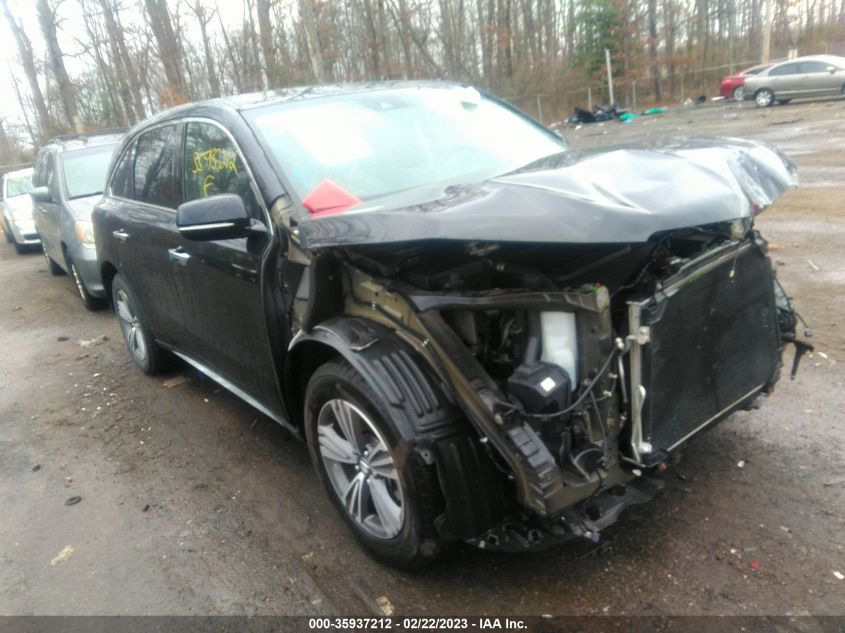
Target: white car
(18, 223)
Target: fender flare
(425, 416)
(419, 406)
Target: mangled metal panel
(608, 195)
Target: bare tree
(315, 52)
(45, 126)
(47, 21)
(271, 67)
(203, 19)
(168, 49)
(122, 60)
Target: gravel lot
(194, 503)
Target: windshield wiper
(545, 161)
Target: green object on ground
(653, 111)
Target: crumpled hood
(608, 195)
(82, 207)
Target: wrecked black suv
(481, 335)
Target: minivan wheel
(52, 266)
(764, 98)
(90, 301)
(146, 353)
(386, 493)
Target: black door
(226, 315)
(145, 229)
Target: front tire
(739, 93)
(764, 98)
(150, 358)
(89, 301)
(385, 492)
(52, 266)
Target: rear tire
(89, 301)
(21, 249)
(53, 267)
(147, 354)
(764, 98)
(385, 492)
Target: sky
(71, 29)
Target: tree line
(140, 56)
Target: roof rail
(81, 136)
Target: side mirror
(831, 69)
(41, 194)
(219, 217)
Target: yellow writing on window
(215, 160)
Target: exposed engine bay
(581, 366)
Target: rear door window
(786, 69)
(123, 177)
(156, 180)
(213, 165)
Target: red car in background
(732, 85)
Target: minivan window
(18, 185)
(155, 168)
(50, 174)
(212, 165)
(786, 69)
(123, 176)
(85, 170)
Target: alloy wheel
(764, 98)
(361, 468)
(78, 281)
(739, 93)
(131, 326)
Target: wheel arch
(475, 491)
(107, 274)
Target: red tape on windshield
(328, 198)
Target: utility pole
(767, 32)
(610, 73)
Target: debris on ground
(97, 340)
(740, 463)
(62, 556)
(812, 265)
(170, 383)
(146, 508)
(61, 339)
(72, 501)
(755, 565)
(385, 605)
(36, 468)
(839, 575)
(834, 482)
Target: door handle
(179, 255)
(121, 235)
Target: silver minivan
(811, 76)
(70, 173)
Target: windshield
(85, 170)
(359, 148)
(18, 185)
